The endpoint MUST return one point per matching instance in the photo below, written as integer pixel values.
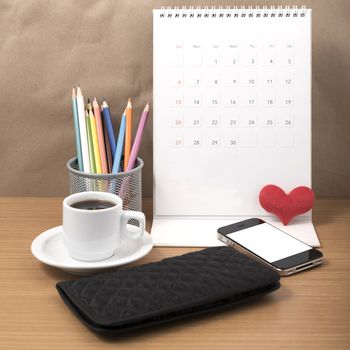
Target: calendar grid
(232, 107)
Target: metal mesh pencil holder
(126, 185)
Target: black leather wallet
(174, 288)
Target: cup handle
(138, 216)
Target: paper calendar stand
(201, 232)
(232, 113)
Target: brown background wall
(46, 47)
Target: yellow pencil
(97, 156)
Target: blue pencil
(120, 145)
(77, 131)
(108, 122)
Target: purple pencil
(138, 138)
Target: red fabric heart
(286, 206)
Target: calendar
(232, 113)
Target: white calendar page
(232, 109)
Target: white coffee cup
(92, 235)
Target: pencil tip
(73, 93)
(147, 107)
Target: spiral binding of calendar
(232, 12)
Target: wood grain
(311, 310)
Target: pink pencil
(138, 139)
(100, 137)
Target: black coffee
(93, 204)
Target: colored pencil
(107, 147)
(128, 134)
(100, 136)
(108, 122)
(83, 131)
(77, 131)
(120, 144)
(90, 144)
(96, 148)
(138, 139)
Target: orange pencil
(100, 136)
(128, 134)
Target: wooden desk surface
(310, 310)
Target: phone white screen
(268, 242)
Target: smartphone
(270, 245)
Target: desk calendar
(232, 113)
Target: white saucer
(49, 249)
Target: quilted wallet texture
(174, 288)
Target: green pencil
(90, 143)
